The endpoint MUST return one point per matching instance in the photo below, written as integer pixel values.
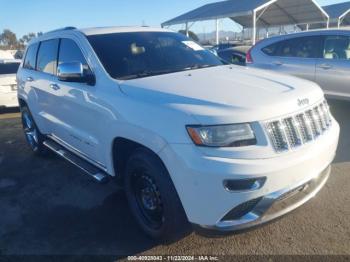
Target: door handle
(30, 79)
(277, 63)
(55, 87)
(325, 66)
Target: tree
(26, 39)
(190, 34)
(8, 39)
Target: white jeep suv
(194, 141)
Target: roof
(120, 29)
(313, 32)
(217, 10)
(278, 12)
(95, 31)
(337, 10)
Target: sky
(24, 16)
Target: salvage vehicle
(8, 85)
(193, 140)
(322, 56)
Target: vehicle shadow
(107, 229)
(341, 112)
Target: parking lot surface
(49, 207)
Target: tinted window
(30, 60)
(70, 52)
(337, 47)
(271, 50)
(233, 57)
(8, 68)
(301, 47)
(141, 54)
(47, 56)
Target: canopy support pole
(217, 32)
(254, 28)
(187, 30)
(327, 22)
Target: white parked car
(8, 85)
(193, 140)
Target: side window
(272, 50)
(47, 56)
(301, 47)
(70, 52)
(30, 58)
(337, 47)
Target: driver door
(76, 110)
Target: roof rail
(62, 29)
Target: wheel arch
(122, 148)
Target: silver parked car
(322, 56)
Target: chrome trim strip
(259, 215)
(77, 152)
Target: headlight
(236, 135)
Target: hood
(226, 94)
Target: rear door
(46, 67)
(28, 79)
(296, 56)
(333, 69)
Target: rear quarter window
(30, 58)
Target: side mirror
(74, 72)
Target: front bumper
(275, 205)
(199, 178)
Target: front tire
(152, 197)
(32, 134)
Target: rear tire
(152, 197)
(32, 134)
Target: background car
(8, 86)
(235, 55)
(223, 46)
(322, 56)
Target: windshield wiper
(148, 73)
(198, 66)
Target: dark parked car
(236, 55)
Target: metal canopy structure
(339, 14)
(256, 13)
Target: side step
(97, 174)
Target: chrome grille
(296, 130)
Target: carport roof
(269, 12)
(337, 10)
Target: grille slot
(277, 136)
(292, 132)
(305, 130)
(296, 130)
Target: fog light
(244, 184)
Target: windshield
(141, 54)
(8, 68)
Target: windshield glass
(8, 68)
(141, 54)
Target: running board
(97, 174)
